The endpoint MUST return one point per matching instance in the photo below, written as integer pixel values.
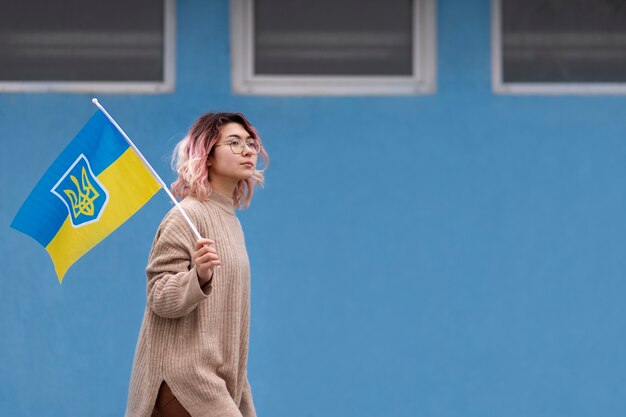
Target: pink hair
(191, 155)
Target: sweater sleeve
(246, 406)
(173, 287)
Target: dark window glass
(78, 40)
(333, 37)
(564, 40)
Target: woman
(192, 351)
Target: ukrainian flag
(96, 184)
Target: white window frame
(115, 87)
(244, 81)
(521, 88)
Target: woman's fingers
(204, 248)
(205, 258)
(205, 265)
(208, 257)
(204, 243)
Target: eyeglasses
(238, 145)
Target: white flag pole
(147, 164)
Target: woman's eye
(235, 142)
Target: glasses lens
(254, 145)
(236, 146)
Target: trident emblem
(84, 199)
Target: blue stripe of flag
(43, 213)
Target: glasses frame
(245, 144)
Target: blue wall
(459, 254)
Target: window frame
(547, 88)
(245, 82)
(114, 87)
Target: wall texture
(458, 254)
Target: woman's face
(224, 164)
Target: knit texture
(195, 338)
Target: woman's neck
(226, 188)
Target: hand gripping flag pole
(147, 164)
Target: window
(559, 46)
(333, 46)
(83, 46)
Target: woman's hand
(205, 259)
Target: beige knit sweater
(195, 338)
